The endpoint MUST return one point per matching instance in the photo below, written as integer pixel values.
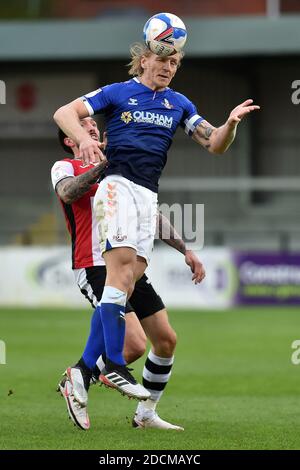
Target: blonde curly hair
(137, 51)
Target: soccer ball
(165, 34)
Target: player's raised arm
(68, 119)
(218, 139)
(168, 234)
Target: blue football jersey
(140, 125)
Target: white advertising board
(173, 279)
(38, 277)
(43, 277)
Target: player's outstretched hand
(196, 266)
(90, 151)
(241, 110)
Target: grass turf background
(233, 384)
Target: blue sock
(112, 314)
(95, 344)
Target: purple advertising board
(267, 278)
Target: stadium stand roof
(110, 37)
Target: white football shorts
(126, 215)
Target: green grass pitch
(233, 384)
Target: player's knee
(128, 277)
(172, 341)
(124, 278)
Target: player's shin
(156, 374)
(95, 344)
(112, 314)
(115, 374)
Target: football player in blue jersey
(75, 187)
(142, 115)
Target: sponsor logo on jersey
(133, 101)
(147, 116)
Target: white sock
(146, 407)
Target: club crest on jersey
(166, 103)
(119, 237)
(126, 117)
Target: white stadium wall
(36, 277)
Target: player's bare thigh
(123, 268)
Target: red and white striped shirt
(80, 217)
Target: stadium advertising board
(267, 278)
(44, 278)
(171, 277)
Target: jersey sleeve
(99, 100)
(60, 171)
(190, 118)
